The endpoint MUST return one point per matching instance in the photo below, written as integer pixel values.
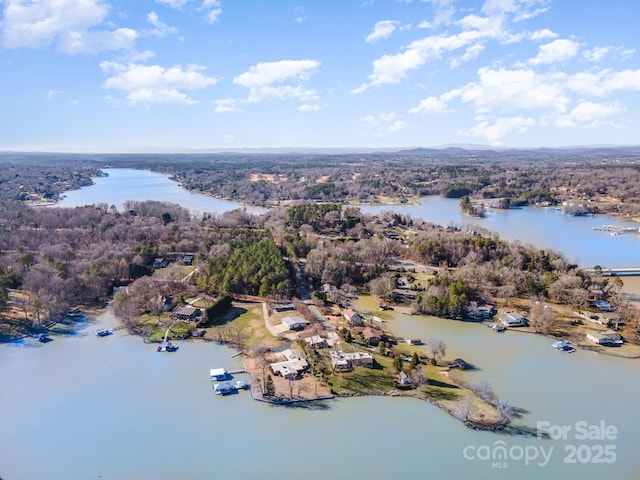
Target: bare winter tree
(436, 349)
(483, 389)
(542, 317)
(464, 409)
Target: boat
(497, 328)
(167, 347)
(103, 332)
(223, 388)
(563, 346)
(43, 337)
(241, 384)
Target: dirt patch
(304, 388)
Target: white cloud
(267, 73)
(160, 29)
(397, 125)
(495, 132)
(91, 42)
(544, 34)
(521, 9)
(430, 105)
(210, 8)
(470, 53)
(268, 80)
(370, 120)
(51, 94)
(382, 30)
(386, 121)
(505, 90)
(526, 15)
(148, 84)
(309, 107)
(514, 100)
(556, 51)
(589, 115)
(393, 68)
(177, 4)
(71, 25)
(226, 105)
(213, 15)
(603, 82)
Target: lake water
(124, 184)
(84, 407)
(549, 228)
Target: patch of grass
(365, 380)
(441, 394)
(232, 314)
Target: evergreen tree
(397, 363)
(269, 387)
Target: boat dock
(223, 376)
(226, 388)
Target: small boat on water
(563, 346)
(241, 384)
(497, 328)
(103, 332)
(223, 388)
(167, 347)
(42, 337)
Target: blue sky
(167, 75)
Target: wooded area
(53, 258)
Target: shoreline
(472, 424)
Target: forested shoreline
(53, 259)
(584, 181)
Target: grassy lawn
(246, 317)
(381, 378)
(150, 324)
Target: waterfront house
(292, 366)
(345, 362)
(316, 341)
(483, 312)
(602, 305)
(372, 336)
(187, 313)
(352, 317)
(159, 263)
(608, 320)
(513, 319)
(294, 322)
(606, 338)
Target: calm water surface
(123, 184)
(83, 407)
(543, 227)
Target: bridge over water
(620, 272)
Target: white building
(292, 366)
(344, 362)
(513, 319)
(606, 338)
(294, 323)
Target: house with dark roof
(372, 336)
(187, 313)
